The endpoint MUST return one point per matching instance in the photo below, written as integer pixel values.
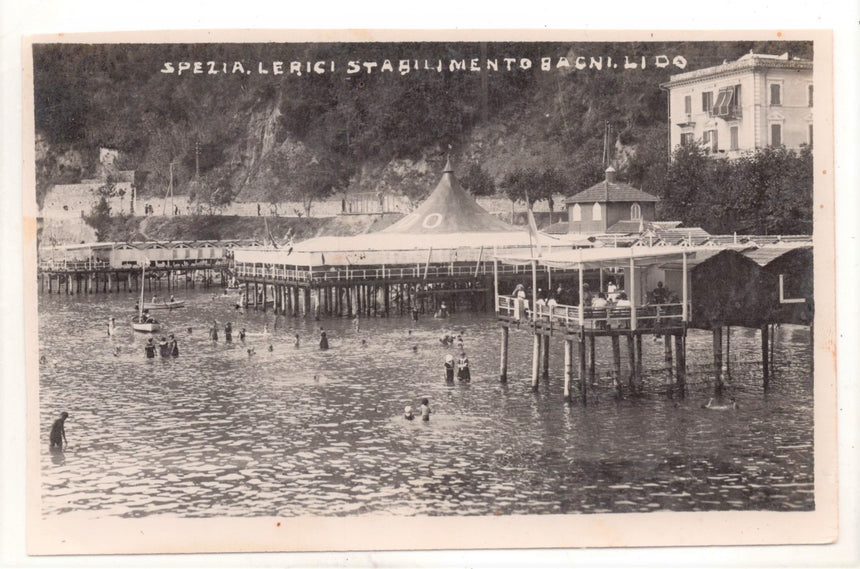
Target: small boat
(144, 323)
(166, 305)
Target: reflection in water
(300, 430)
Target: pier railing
(437, 270)
(647, 317)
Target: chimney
(610, 179)
(610, 175)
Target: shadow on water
(300, 431)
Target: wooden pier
(376, 290)
(99, 277)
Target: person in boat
(149, 349)
(463, 373)
(164, 347)
(58, 432)
(408, 414)
(449, 369)
(323, 340)
(228, 333)
(425, 409)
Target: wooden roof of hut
(726, 291)
(792, 301)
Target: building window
(733, 136)
(809, 94)
(576, 212)
(688, 105)
(728, 103)
(708, 102)
(635, 211)
(775, 94)
(596, 212)
(686, 138)
(709, 139)
(810, 134)
(776, 135)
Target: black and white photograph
(345, 293)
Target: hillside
(259, 136)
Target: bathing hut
(786, 281)
(726, 291)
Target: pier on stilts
(708, 288)
(115, 267)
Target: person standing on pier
(463, 373)
(58, 432)
(228, 333)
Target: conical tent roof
(449, 209)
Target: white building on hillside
(739, 106)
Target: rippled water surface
(299, 431)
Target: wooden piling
(667, 356)
(536, 344)
(503, 359)
(765, 363)
(568, 367)
(583, 381)
(681, 365)
(718, 359)
(546, 339)
(591, 360)
(631, 356)
(639, 380)
(616, 363)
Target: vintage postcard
(379, 290)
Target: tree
(306, 177)
(478, 181)
(214, 192)
(531, 185)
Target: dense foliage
(283, 137)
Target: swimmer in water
(449, 369)
(271, 348)
(189, 330)
(298, 341)
(415, 349)
(251, 352)
(323, 340)
(363, 343)
(58, 432)
(408, 414)
(425, 409)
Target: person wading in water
(58, 432)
